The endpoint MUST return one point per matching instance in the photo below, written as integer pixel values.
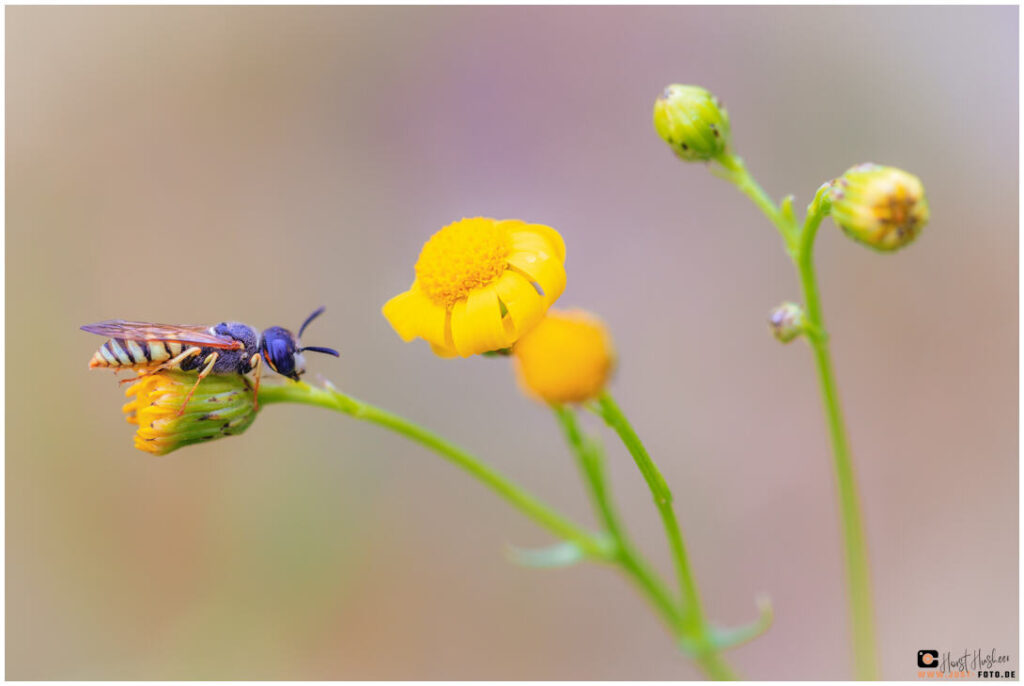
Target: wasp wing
(172, 333)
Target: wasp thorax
(693, 122)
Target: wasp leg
(166, 364)
(256, 362)
(173, 362)
(208, 363)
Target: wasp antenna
(318, 349)
(316, 313)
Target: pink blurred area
(197, 164)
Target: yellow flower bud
(787, 321)
(693, 122)
(882, 207)
(222, 405)
(567, 358)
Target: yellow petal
(543, 269)
(412, 314)
(524, 304)
(551, 236)
(443, 351)
(477, 323)
(528, 241)
(511, 226)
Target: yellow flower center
(895, 210)
(461, 257)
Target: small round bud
(567, 358)
(787, 321)
(882, 207)
(693, 122)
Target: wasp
(225, 348)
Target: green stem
(800, 244)
(857, 569)
(331, 399)
(694, 626)
(663, 501)
(735, 170)
(589, 459)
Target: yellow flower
(567, 358)
(221, 406)
(882, 207)
(480, 285)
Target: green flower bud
(882, 207)
(693, 122)
(222, 405)
(787, 321)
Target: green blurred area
(195, 164)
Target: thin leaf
(787, 209)
(729, 638)
(561, 554)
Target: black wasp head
(281, 349)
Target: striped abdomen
(118, 352)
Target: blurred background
(196, 164)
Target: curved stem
(589, 459)
(801, 247)
(862, 619)
(693, 625)
(735, 170)
(693, 616)
(332, 399)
